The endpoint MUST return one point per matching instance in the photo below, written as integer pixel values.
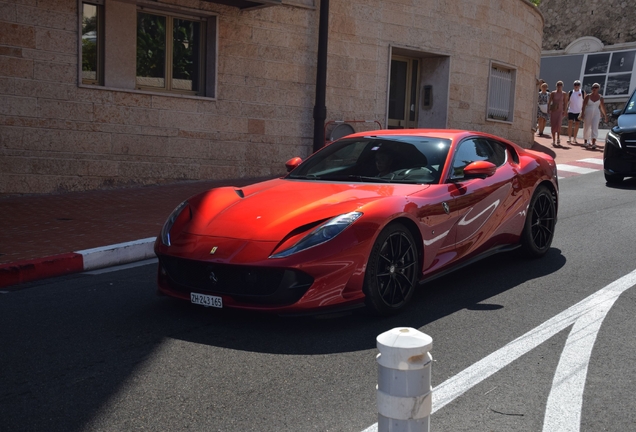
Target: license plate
(206, 300)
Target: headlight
(165, 231)
(614, 139)
(322, 234)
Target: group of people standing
(577, 106)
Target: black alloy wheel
(538, 231)
(392, 270)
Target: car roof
(436, 133)
(451, 134)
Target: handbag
(554, 106)
(543, 108)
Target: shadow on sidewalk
(543, 149)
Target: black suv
(619, 156)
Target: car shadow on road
(466, 288)
(77, 341)
(627, 184)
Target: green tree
(183, 55)
(89, 43)
(151, 45)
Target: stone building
(104, 93)
(592, 41)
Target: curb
(75, 262)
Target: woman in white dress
(591, 111)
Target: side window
(631, 105)
(497, 152)
(478, 149)
(469, 151)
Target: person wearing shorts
(575, 104)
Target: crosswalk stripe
(575, 169)
(596, 161)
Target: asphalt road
(104, 353)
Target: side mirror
(617, 112)
(292, 163)
(479, 169)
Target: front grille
(243, 283)
(628, 140)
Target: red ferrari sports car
(362, 221)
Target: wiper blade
(372, 179)
(307, 177)
(386, 180)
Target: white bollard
(404, 380)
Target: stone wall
(611, 21)
(471, 33)
(56, 135)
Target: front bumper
(619, 158)
(245, 284)
(324, 277)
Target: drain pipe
(320, 108)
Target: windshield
(631, 105)
(382, 159)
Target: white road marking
(372, 428)
(563, 410)
(596, 161)
(574, 169)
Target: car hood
(270, 210)
(627, 122)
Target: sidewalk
(569, 152)
(49, 235)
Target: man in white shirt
(575, 104)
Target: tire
(613, 178)
(538, 231)
(392, 271)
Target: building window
(501, 89)
(170, 53)
(125, 46)
(92, 43)
(613, 71)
